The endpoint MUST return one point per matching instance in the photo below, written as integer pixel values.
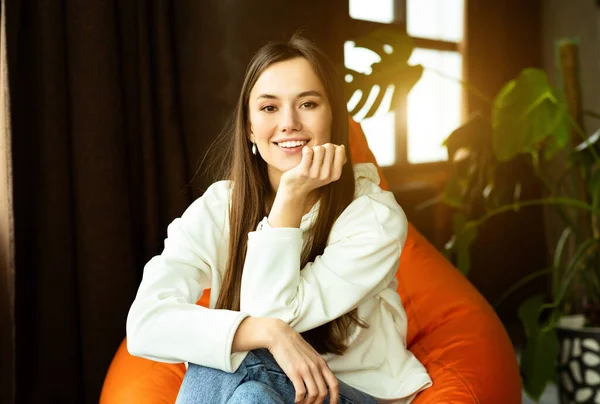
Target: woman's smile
(291, 147)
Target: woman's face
(288, 110)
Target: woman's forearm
(255, 333)
(287, 209)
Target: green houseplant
(529, 125)
(532, 126)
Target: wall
(575, 18)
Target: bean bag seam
(458, 376)
(447, 368)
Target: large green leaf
(470, 150)
(453, 194)
(560, 135)
(510, 178)
(477, 176)
(403, 77)
(401, 43)
(465, 233)
(594, 184)
(475, 136)
(538, 358)
(525, 113)
(392, 69)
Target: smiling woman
(300, 250)
(287, 112)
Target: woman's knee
(253, 392)
(204, 384)
(212, 377)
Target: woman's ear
(250, 134)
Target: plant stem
(583, 136)
(525, 280)
(582, 192)
(557, 261)
(591, 113)
(464, 84)
(573, 268)
(536, 166)
(518, 205)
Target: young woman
(299, 249)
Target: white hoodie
(356, 270)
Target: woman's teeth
(291, 144)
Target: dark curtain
(100, 164)
(113, 106)
(7, 256)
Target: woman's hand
(320, 165)
(306, 369)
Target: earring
(254, 148)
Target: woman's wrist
(288, 208)
(289, 190)
(256, 333)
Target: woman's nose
(290, 121)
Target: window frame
(403, 174)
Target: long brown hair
(252, 194)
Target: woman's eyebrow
(302, 94)
(310, 93)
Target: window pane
(379, 131)
(359, 59)
(372, 10)
(435, 19)
(380, 128)
(433, 109)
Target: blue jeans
(258, 380)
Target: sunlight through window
(379, 129)
(433, 104)
(435, 19)
(372, 10)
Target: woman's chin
(284, 167)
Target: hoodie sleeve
(360, 260)
(164, 323)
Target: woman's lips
(290, 150)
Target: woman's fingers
(332, 383)
(323, 376)
(312, 390)
(307, 158)
(317, 373)
(317, 161)
(327, 162)
(319, 166)
(338, 162)
(299, 388)
(327, 166)
(306, 369)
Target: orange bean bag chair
(452, 330)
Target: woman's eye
(268, 108)
(309, 105)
